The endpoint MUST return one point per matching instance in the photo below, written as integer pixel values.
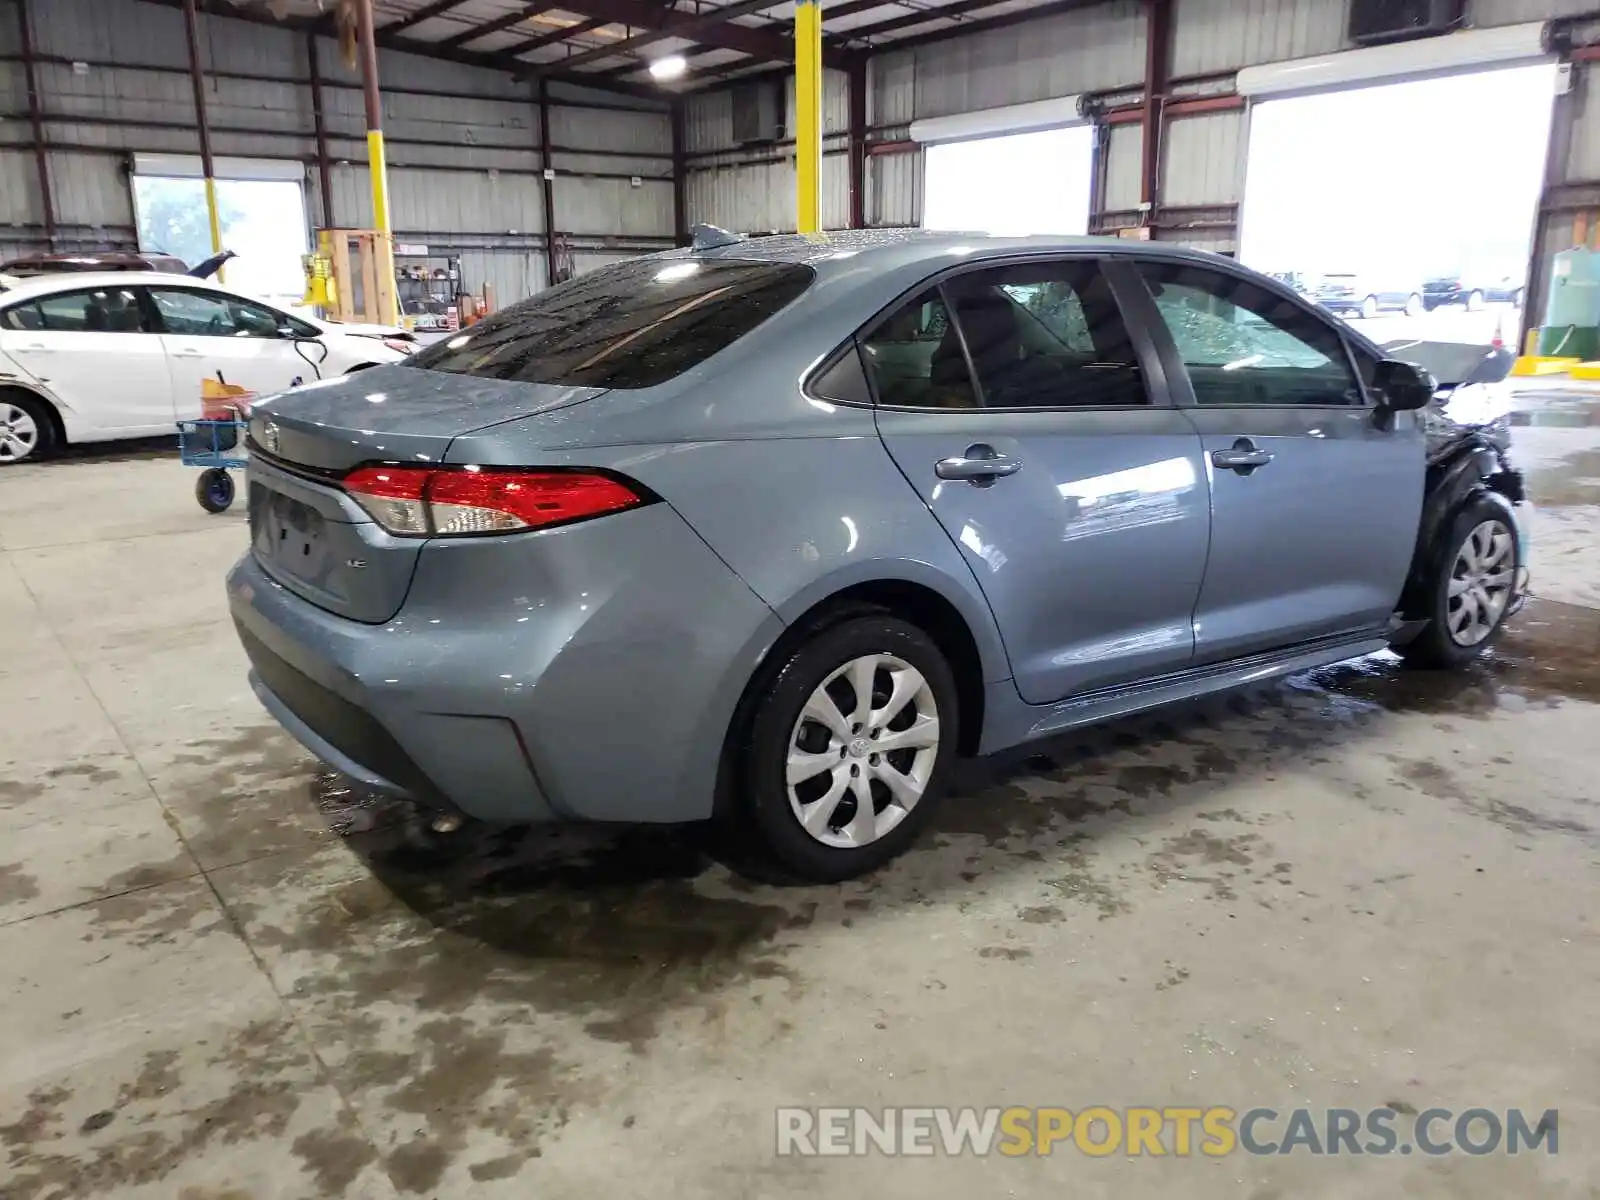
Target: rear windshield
(634, 325)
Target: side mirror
(287, 332)
(1403, 386)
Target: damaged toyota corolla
(768, 532)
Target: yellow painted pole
(377, 164)
(808, 115)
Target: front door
(1315, 498)
(211, 335)
(94, 351)
(1076, 494)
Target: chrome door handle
(36, 348)
(187, 353)
(980, 465)
(1244, 457)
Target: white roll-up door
(1021, 169)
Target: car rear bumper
(585, 673)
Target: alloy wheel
(1481, 580)
(862, 751)
(19, 433)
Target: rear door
(210, 334)
(94, 350)
(1315, 497)
(1040, 435)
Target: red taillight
(453, 501)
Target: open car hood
(1471, 392)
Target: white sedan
(93, 357)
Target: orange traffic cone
(1499, 342)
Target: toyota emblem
(269, 437)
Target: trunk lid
(305, 531)
(393, 414)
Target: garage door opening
(261, 209)
(1011, 185)
(1407, 206)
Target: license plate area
(291, 535)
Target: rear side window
(103, 310)
(635, 325)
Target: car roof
(891, 249)
(72, 281)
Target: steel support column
(191, 24)
(808, 115)
(1157, 63)
(319, 122)
(41, 157)
(377, 160)
(680, 176)
(548, 185)
(858, 144)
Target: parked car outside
(92, 357)
(766, 533)
(1354, 296)
(1472, 292)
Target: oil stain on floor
(471, 992)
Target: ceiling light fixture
(668, 67)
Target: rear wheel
(1369, 307)
(1414, 306)
(26, 431)
(849, 750)
(1475, 302)
(1472, 589)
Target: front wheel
(1475, 302)
(1472, 589)
(1369, 307)
(849, 750)
(1414, 306)
(214, 490)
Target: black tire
(1414, 306)
(41, 442)
(214, 490)
(1370, 307)
(1435, 647)
(762, 835)
(1475, 302)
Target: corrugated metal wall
(1100, 49)
(463, 142)
(1092, 49)
(752, 190)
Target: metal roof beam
(496, 61)
(577, 29)
(526, 13)
(674, 24)
(426, 13)
(767, 45)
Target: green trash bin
(1571, 326)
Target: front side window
(212, 314)
(100, 310)
(635, 325)
(1245, 345)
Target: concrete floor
(229, 978)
